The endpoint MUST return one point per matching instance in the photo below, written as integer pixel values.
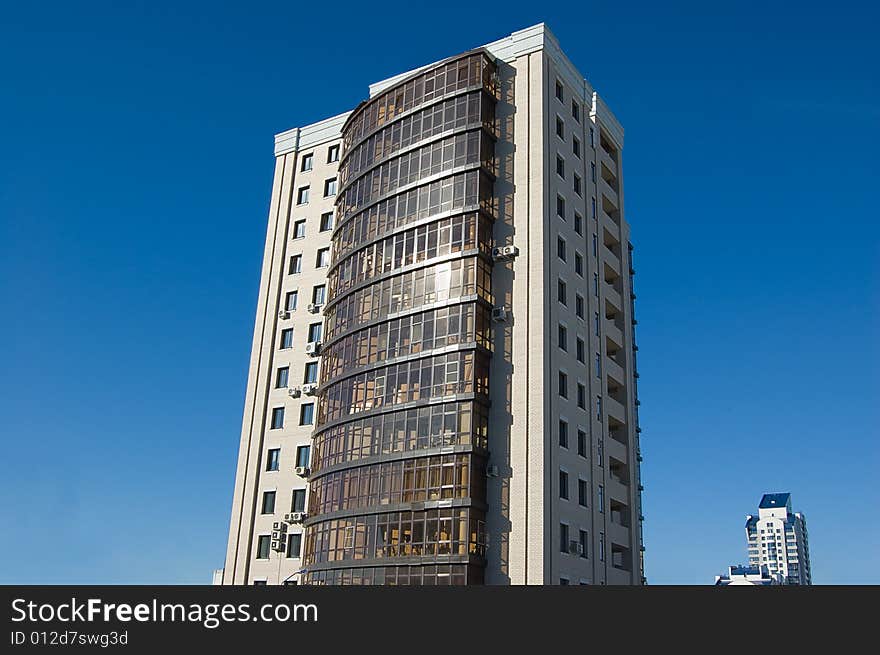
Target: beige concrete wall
(248, 523)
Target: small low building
(749, 575)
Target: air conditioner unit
(284, 315)
(310, 389)
(275, 544)
(575, 547)
(288, 518)
(313, 348)
(492, 471)
(314, 308)
(298, 517)
(499, 314)
(276, 535)
(302, 471)
(281, 545)
(502, 253)
(277, 525)
(294, 392)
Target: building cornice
(308, 136)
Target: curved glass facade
(398, 487)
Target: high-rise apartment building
(442, 386)
(777, 538)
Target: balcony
(615, 371)
(615, 409)
(619, 472)
(611, 253)
(609, 223)
(620, 557)
(607, 160)
(620, 534)
(614, 332)
(617, 491)
(609, 194)
(617, 430)
(615, 450)
(613, 297)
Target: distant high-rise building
(442, 386)
(748, 575)
(777, 538)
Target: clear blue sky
(135, 169)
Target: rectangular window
(323, 258)
(578, 223)
(296, 264)
(302, 455)
(601, 546)
(563, 337)
(306, 162)
(596, 321)
(277, 418)
(563, 485)
(576, 146)
(560, 128)
(577, 184)
(298, 500)
(273, 459)
(580, 350)
(330, 187)
(302, 196)
(583, 492)
(593, 171)
(584, 539)
(332, 154)
(600, 448)
(560, 207)
(599, 408)
(579, 264)
(560, 167)
(314, 332)
(287, 338)
(294, 544)
(263, 543)
(579, 305)
(319, 293)
(582, 396)
(281, 377)
(560, 292)
(559, 92)
(595, 246)
(592, 138)
(290, 300)
(268, 502)
(563, 433)
(601, 493)
(582, 443)
(563, 538)
(594, 207)
(311, 373)
(598, 365)
(575, 110)
(326, 222)
(560, 248)
(596, 284)
(307, 414)
(563, 385)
